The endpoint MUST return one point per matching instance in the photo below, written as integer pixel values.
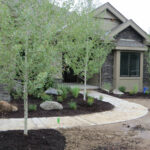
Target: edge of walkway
(123, 111)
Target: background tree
(85, 44)
(33, 45)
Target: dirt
(36, 140)
(82, 108)
(129, 135)
(127, 94)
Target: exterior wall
(129, 33)
(146, 74)
(108, 21)
(106, 74)
(4, 94)
(107, 70)
(128, 82)
(95, 80)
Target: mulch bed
(82, 108)
(36, 140)
(127, 94)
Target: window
(130, 64)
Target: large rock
(52, 91)
(117, 92)
(6, 107)
(51, 105)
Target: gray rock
(117, 92)
(51, 105)
(52, 91)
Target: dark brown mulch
(36, 140)
(127, 94)
(82, 108)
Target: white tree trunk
(26, 95)
(85, 78)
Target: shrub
(147, 92)
(73, 105)
(75, 92)
(46, 97)
(65, 90)
(60, 99)
(32, 107)
(90, 101)
(107, 86)
(101, 98)
(39, 84)
(135, 90)
(122, 89)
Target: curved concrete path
(123, 111)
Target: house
(126, 65)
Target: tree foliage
(85, 44)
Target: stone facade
(129, 33)
(4, 94)
(146, 74)
(107, 70)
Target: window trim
(131, 76)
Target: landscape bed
(82, 108)
(126, 94)
(36, 140)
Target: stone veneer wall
(129, 33)
(4, 94)
(107, 70)
(146, 74)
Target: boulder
(51, 105)
(117, 92)
(52, 91)
(6, 107)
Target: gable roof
(125, 22)
(126, 25)
(114, 11)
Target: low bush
(107, 86)
(73, 105)
(65, 91)
(101, 98)
(134, 91)
(147, 92)
(46, 97)
(75, 92)
(90, 101)
(60, 99)
(32, 107)
(122, 89)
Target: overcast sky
(137, 10)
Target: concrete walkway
(123, 111)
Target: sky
(137, 10)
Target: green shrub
(134, 91)
(60, 99)
(32, 107)
(101, 98)
(122, 89)
(46, 97)
(75, 92)
(90, 101)
(107, 86)
(64, 91)
(147, 92)
(73, 105)
(40, 83)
